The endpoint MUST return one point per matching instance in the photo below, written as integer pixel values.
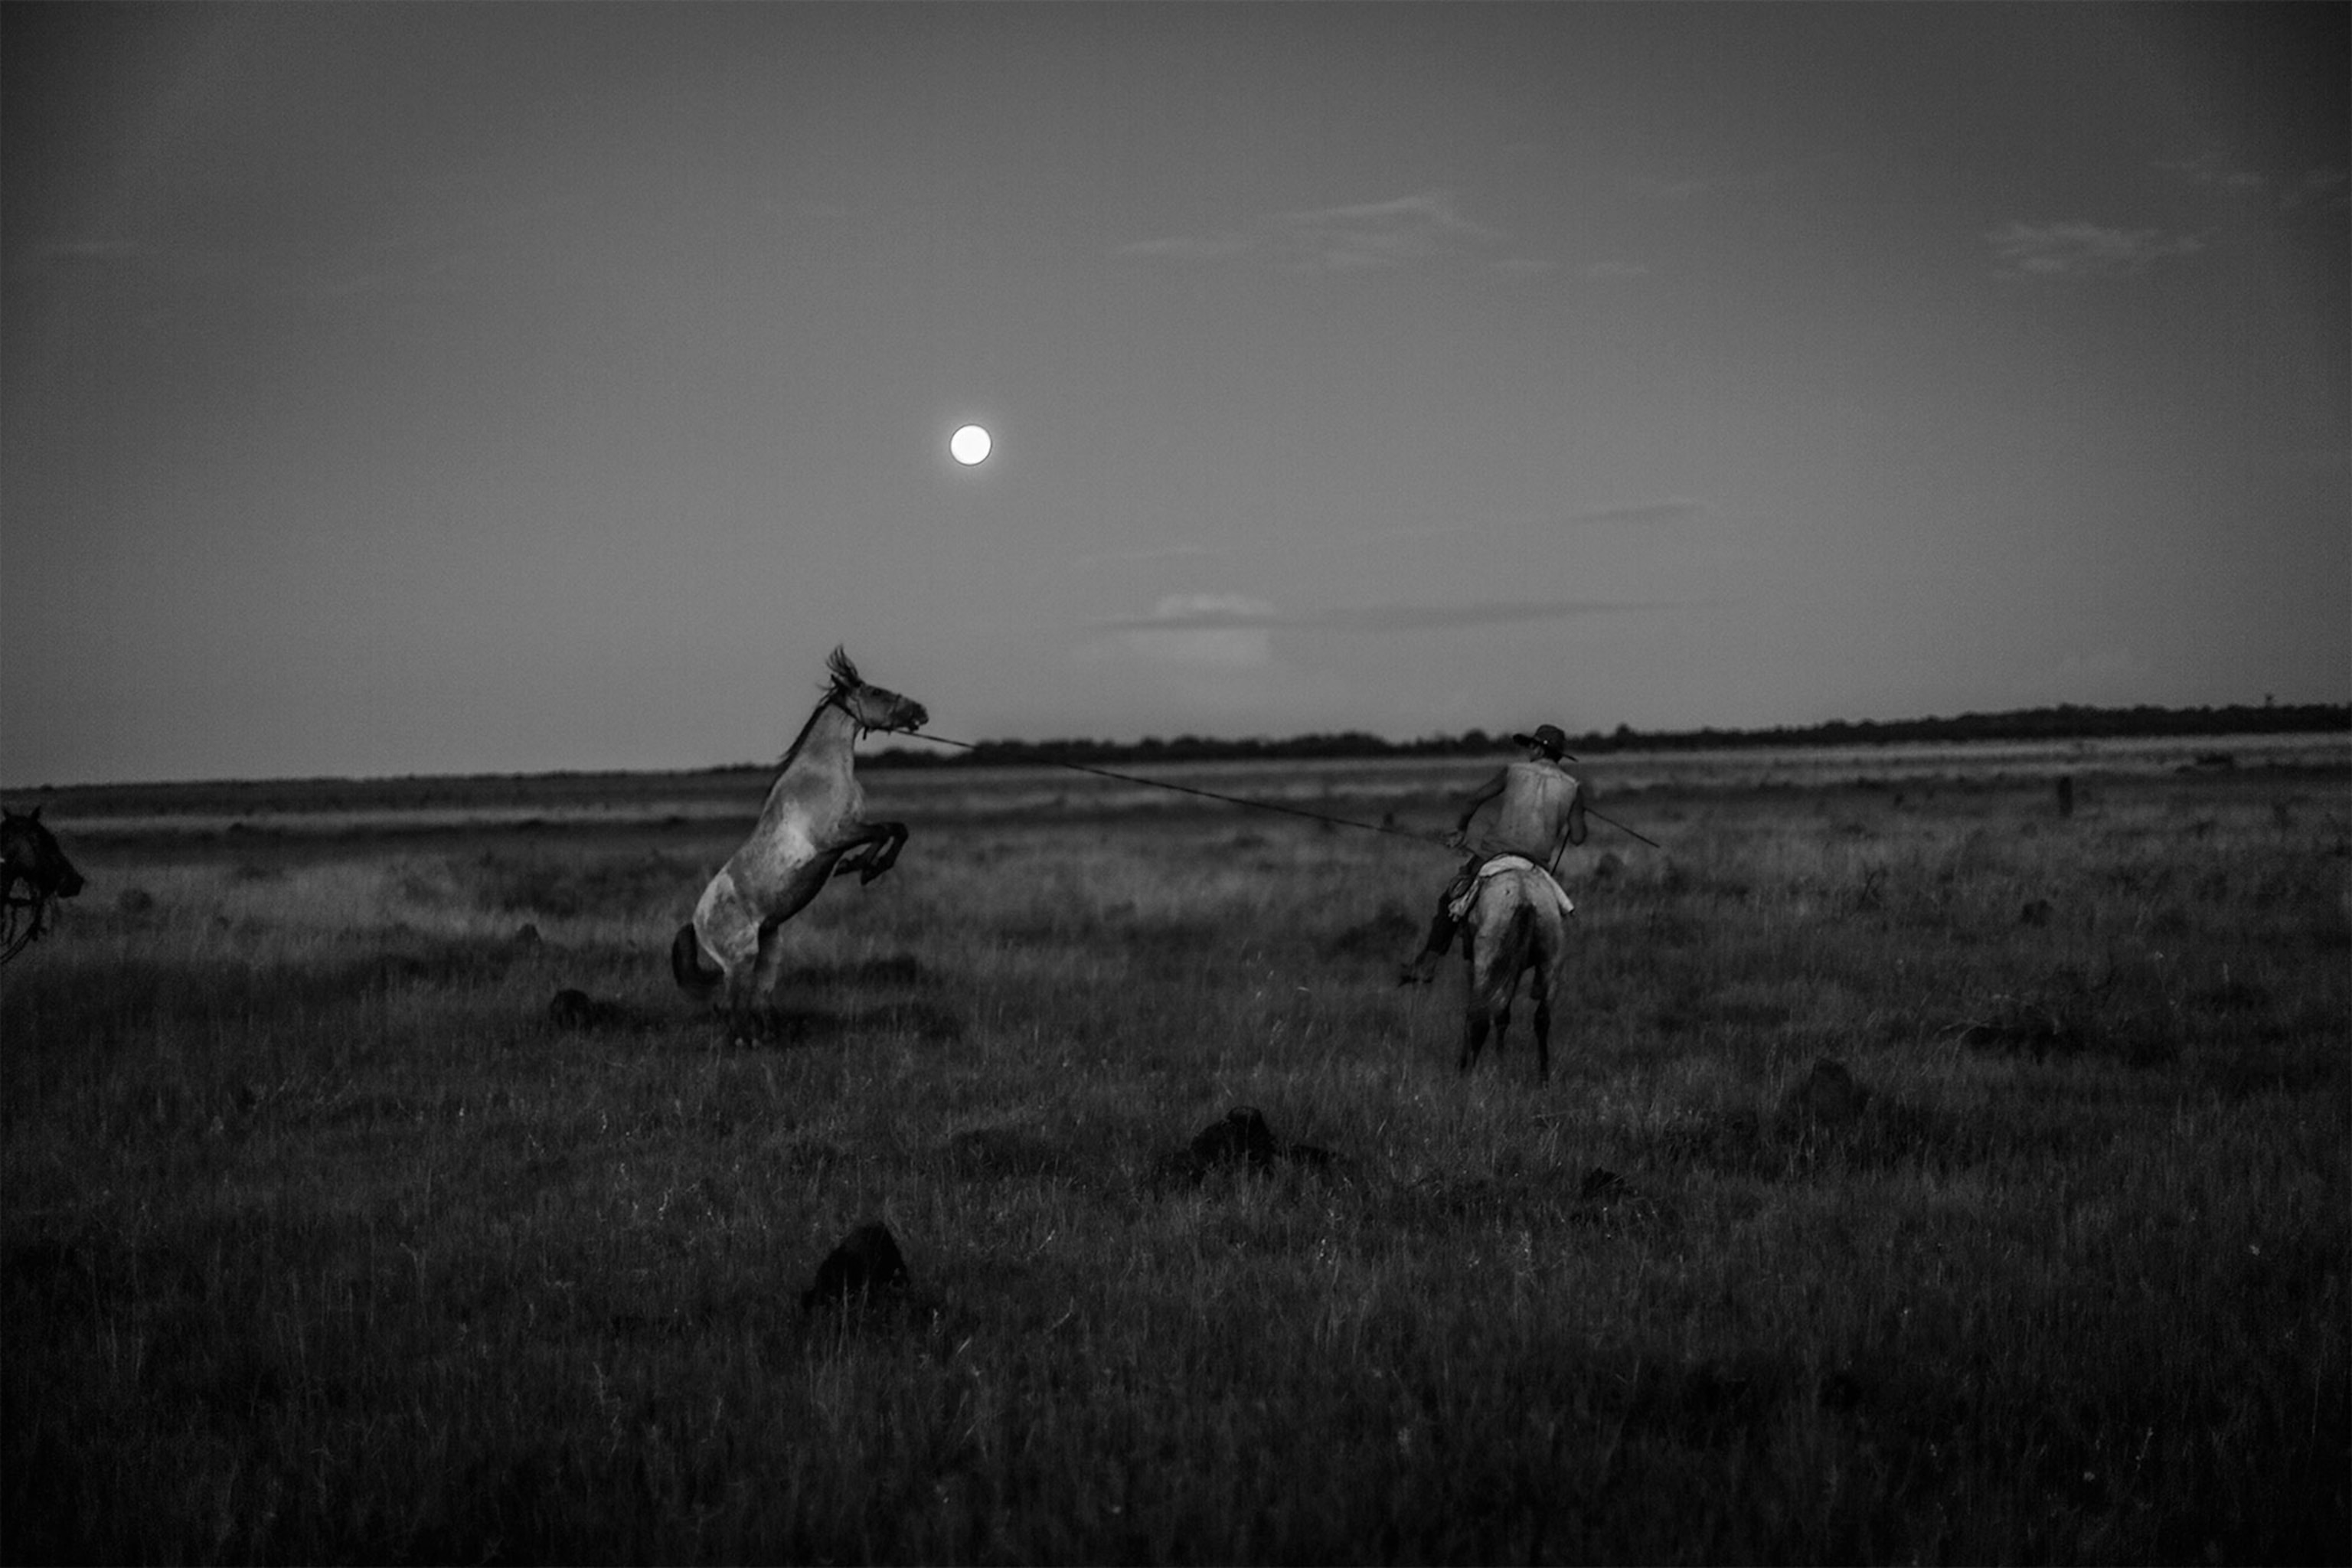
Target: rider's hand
(1457, 838)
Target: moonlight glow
(968, 445)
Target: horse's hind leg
(1543, 1029)
(1473, 1032)
(772, 965)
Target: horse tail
(694, 977)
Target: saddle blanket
(1460, 907)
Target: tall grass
(323, 1243)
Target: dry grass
(323, 1242)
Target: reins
(1243, 800)
(17, 940)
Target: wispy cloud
(2322, 187)
(1403, 232)
(1670, 511)
(2212, 170)
(89, 250)
(2081, 249)
(1185, 551)
(1202, 631)
(1190, 248)
(1232, 613)
(2329, 189)
(1691, 188)
(1642, 513)
(1673, 510)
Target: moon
(968, 445)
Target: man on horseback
(1540, 807)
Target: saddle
(1494, 864)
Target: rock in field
(867, 1260)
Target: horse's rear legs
(1473, 1035)
(1476, 1023)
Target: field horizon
(329, 1236)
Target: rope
(1205, 794)
(1254, 804)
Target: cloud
(1197, 613)
(1366, 236)
(89, 250)
(2211, 170)
(1672, 510)
(1188, 247)
(2320, 187)
(1202, 631)
(1185, 551)
(1603, 270)
(2325, 188)
(2081, 249)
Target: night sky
(403, 389)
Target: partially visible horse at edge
(812, 830)
(1515, 923)
(29, 854)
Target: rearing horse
(813, 821)
(29, 854)
(1515, 923)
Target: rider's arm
(1478, 797)
(1576, 817)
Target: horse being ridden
(1538, 811)
(1515, 923)
(812, 828)
(29, 854)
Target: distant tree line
(2064, 722)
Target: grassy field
(323, 1241)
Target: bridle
(839, 696)
(23, 916)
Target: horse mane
(845, 676)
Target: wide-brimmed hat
(1549, 738)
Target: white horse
(814, 819)
(1514, 922)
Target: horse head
(29, 854)
(874, 706)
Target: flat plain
(322, 1238)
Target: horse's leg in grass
(1474, 1019)
(726, 931)
(767, 972)
(1473, 1032)
(1543, 1025)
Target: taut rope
(1239, 800)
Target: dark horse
(815, 816)
(29, 854)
